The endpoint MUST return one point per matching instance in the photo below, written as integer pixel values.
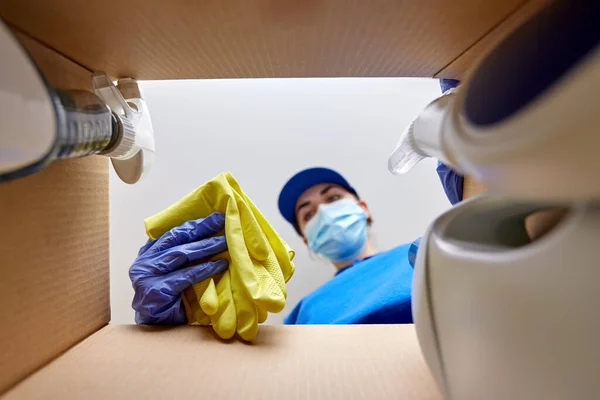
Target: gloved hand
(167, 266)
(260, 261)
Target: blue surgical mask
(338, 230)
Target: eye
(334, 197)
(308, 216)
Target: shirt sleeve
(292, 318)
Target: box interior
(54, 245)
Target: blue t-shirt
(372, 291)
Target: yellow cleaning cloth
(260, 262)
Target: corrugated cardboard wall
(260, 38)
(53, 249)
(469, 57)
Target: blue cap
(303, 181)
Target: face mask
(338, 231)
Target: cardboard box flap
(259, 38)
(286, 362)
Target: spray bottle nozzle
(133, 156)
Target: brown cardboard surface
(286, 362)
(466, 60)
(150, 39)
(53, 249)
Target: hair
(352, 192)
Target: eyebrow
(301, 206)
(326, 189)
(322, 192)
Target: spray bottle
(40, 124)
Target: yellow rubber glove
(254, 291)
(283, 253)
(270, 292)
(260, 261)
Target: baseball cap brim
(303, 181)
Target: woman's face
(323, 193)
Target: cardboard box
(55, 337)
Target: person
(369, 287)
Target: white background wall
(263, 131)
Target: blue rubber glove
(158, 276)
(447, 84)
(451, 181)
